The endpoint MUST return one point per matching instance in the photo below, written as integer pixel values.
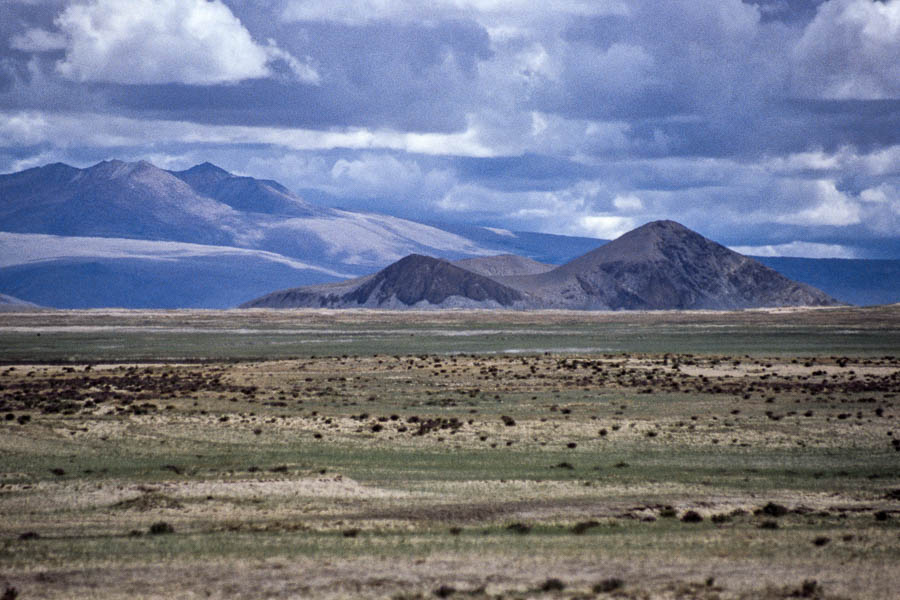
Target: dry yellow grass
(394, 474)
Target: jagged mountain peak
(119, 169)
(208, 167)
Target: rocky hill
(413, 282)
(660, 266)
(664, 265)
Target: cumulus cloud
(374, 175)
(881, 209)
(830, 207)
(850, 50)
(883, 161)
(604, 226)
(628, 203)
(18, 128)
(572, 210)
(164, 41)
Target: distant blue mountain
(204, 282)
(133, 235)
(856, 281)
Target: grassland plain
(283, 454)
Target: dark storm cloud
(767, 123)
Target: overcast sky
(773, 126)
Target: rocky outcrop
(414, 281)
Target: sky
(771, 126)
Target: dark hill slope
(414, 281)
(503, 265)
(664, 265)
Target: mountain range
(661, 265)
(133, 235)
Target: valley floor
(287, 454)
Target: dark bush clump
(809, 589)
(161, 528)
(445, 591)
(553, 585)
(691, 516)
(9, 593)
(821, 540)
(350, 533)
(608, 585)
(768, 525)
(774, 510)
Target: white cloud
(799, 249)
(812, 160)
(165, 41)
(38, 40)
(18, 128)
(850, 50)
(628, 203)
(570, 210)
(832, 207)
(604, 226)
(303, 71)
(881, 209)
(380, 175)
(361, 11)
(884, 161)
